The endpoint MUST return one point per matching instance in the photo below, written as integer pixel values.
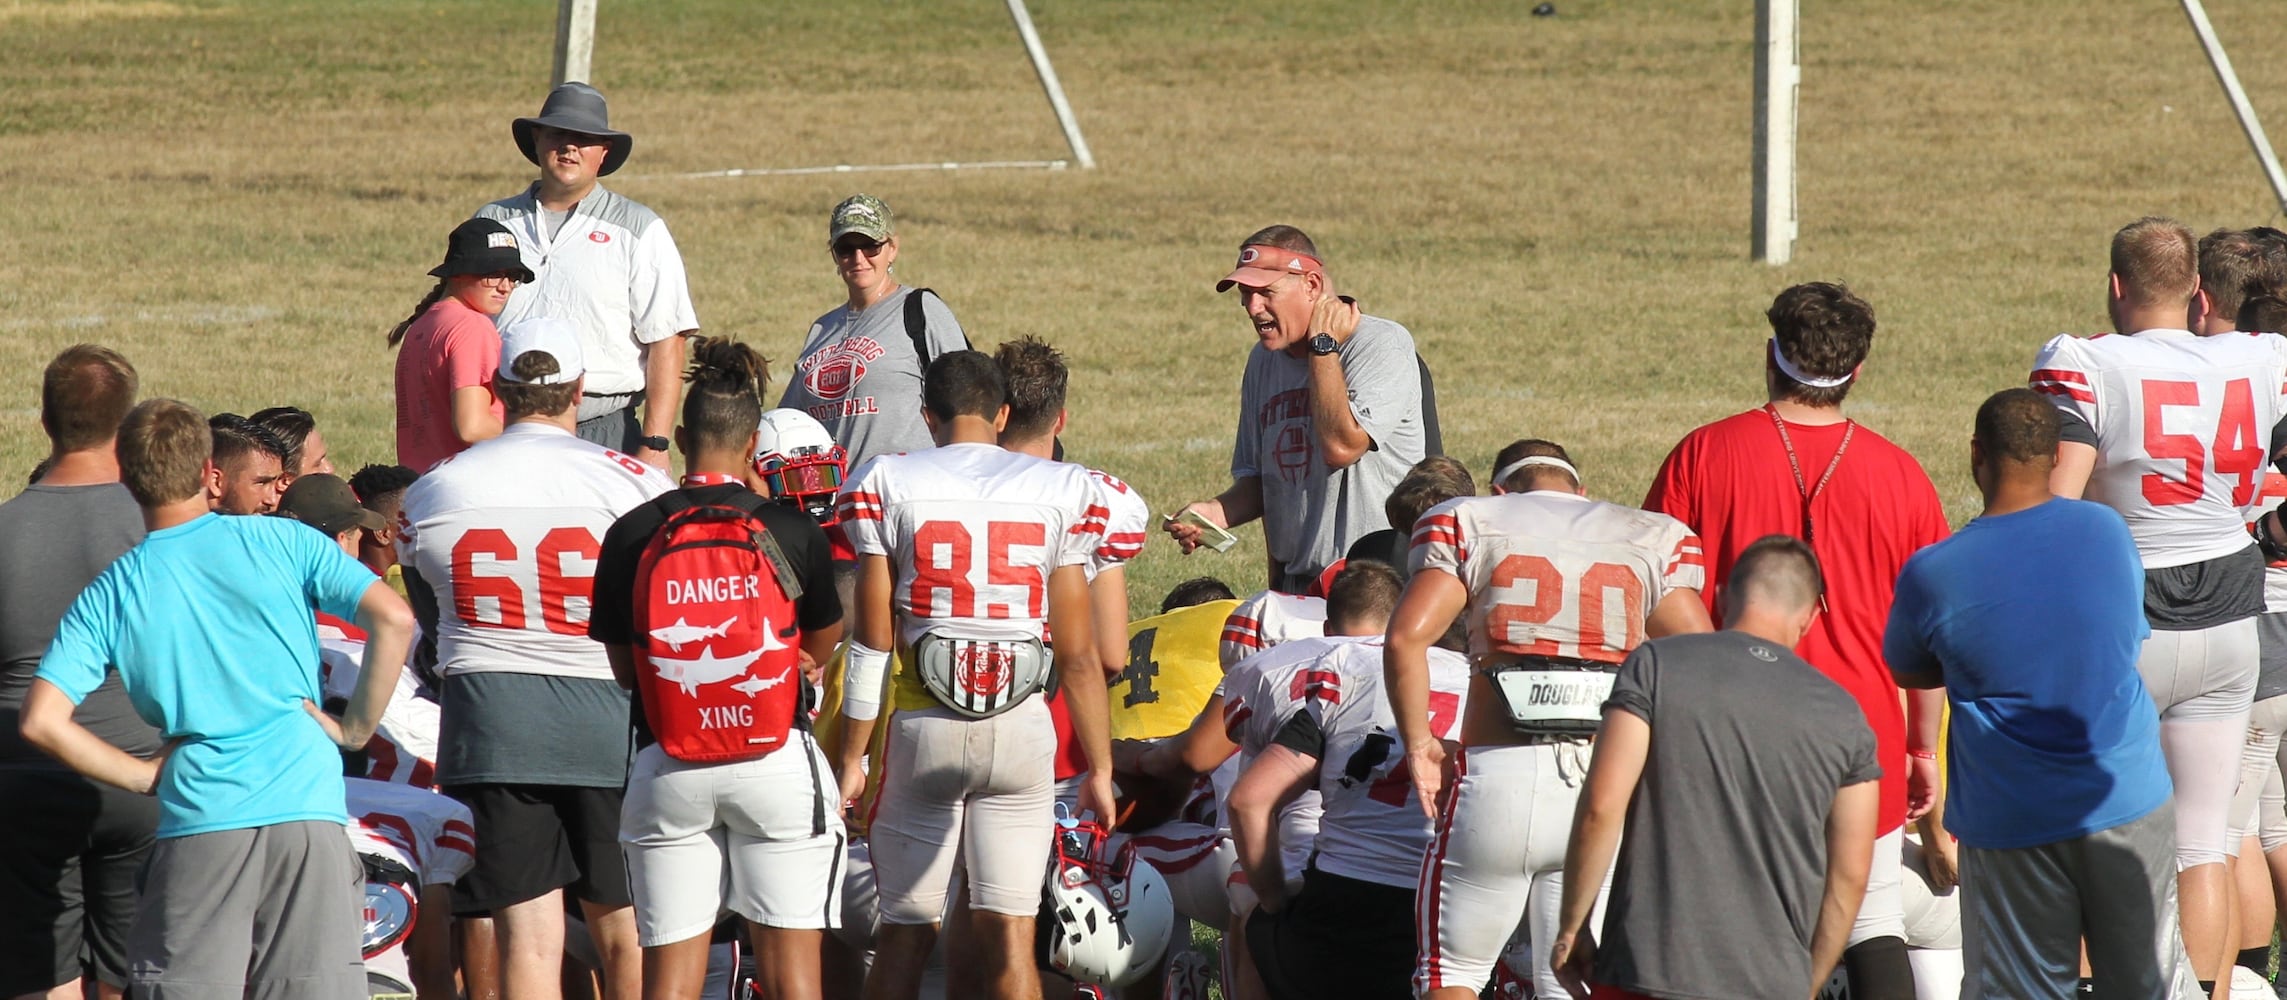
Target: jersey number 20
(1593, 590)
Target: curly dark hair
(1824, 331)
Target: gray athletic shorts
(2025, 912)
(271, 913)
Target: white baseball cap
(546, 334)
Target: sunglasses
(512, 280)
(851, 248)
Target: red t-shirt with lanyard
(1732, 482)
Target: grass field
(243, 196)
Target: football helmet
(799, 462)
(1109, 914)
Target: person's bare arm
(430, 952)
(2075, 463)
(1925, 709)
(1681, 612)
(1276, 777)
(1082, 674)
(872, 627)
(1623, 744)
(1939, 852)
(662, 391)
(1240, 503)
(1341, 439)
(1108, 607)
(819, 644)
(622, 658)
(47, 723)
(1193, 752)
(1849, 854)
(1431, 600)
(388, 623)
(473, 419)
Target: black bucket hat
(575, 107)
(482, 246)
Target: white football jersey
(506, 533)
(974, 532)
(1373, 828)
(1267, 619)
(1555, 574)
(1126, 519)
(404, 747)
(427, 834)
(2183, 427)
(1259, 695)
(2274, 575)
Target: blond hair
(2157, 260)
(163, 448)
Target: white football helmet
(799, 461)
(1109, 917)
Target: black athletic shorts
(533, 838)
(1339, 937)
(69, 853)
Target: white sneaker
(2248, 984)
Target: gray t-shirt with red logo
(858, 374)
(1312, 514)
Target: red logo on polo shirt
(598, 236)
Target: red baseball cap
(1259, 265)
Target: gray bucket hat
(575, 107)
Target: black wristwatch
(1323, 344)
(655, 443)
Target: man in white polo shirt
(608, 266)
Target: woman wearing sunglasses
(861, 364)
(450, 349)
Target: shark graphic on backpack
(717, 661)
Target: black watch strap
(655, 442)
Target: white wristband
(862, 667)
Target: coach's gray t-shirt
(1717, 887)
(53, 541)
(1312, 514)
(859, 376)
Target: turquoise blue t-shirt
(209, 624)
(2035, 620)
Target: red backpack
(718, 653)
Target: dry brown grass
(244, 200)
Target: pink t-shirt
(450, 347)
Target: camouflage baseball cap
(863, 214)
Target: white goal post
(1778, 74)
(575, 52)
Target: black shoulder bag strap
(917, 326)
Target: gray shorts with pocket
(267, 913)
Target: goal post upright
(575, 41)
(575, 52)
(1049, 83)
(2237, 95)
(1778, 72)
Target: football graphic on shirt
(832, 372)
